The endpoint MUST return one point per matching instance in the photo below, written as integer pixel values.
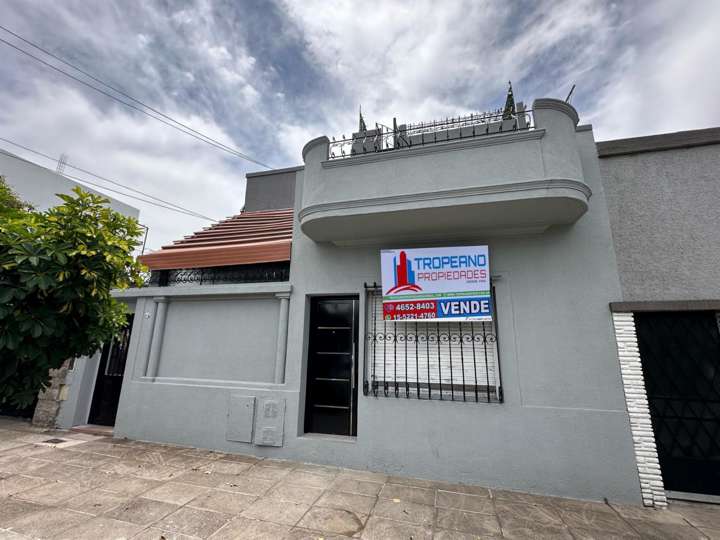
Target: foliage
(57, 269)
(10, 203)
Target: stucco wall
(563, 428)
(230, 339)
(665, 210)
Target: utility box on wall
(240, 418)
(270, 422)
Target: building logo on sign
(448, 283)
(404, 275)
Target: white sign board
(444, 283)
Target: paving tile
(386, 529)
(283, 512)
(575, 505)
(268, 473)
(223, 501)
(299, 533)
(251, 529)
(408, 493)
(96, 501)
(72, 473)
(175, 492)
(463, 501)
(446, 534)
(589, 534)
(333, 521)
(308, 479)
(21, 464)
(185, 462)
(153, 533)
(712, 534)
(520, 497)
(294, 493)
(142, 469)
(130, 485)
(142, 511)
(518, 515)
(327, 470)
(361, 487)
(634, 511)
(10, 535)
(538, 532)
(462, 488)
(10, 485)
(420, 514)
(241, 458)
(282, 463)
(13, 508)
(201, 452)
(417, 482)
(360, 504)
(205, 478)
(665, 531)
(225, 467)
(100, 527)
(599, 521)
(469, 522)
(193, 521)
(700, 515)
(46, 522)
(249, 485)
(367, 476)
(52, 493)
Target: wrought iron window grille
(384, 138)
(246, 273)
(449, 361)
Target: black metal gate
(106, 395)
(680, 354)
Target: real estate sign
(443, 283)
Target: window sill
(328, 437)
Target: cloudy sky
(265, 77)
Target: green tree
(57, 269)
(10, 203)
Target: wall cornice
(513, 187)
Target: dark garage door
(680, 354)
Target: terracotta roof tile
(248, 238)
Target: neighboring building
(266, 333)
(39, 186)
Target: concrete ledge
(557, 105)
(240, 289)
(658, 143)
(316, 141)
(273, 172)
(665, 305)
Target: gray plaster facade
(225, 366)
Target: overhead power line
(162, 117)
(100, 186)
(66, 164)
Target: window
(454, 361)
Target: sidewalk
(91, 487)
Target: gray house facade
(266, 334)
